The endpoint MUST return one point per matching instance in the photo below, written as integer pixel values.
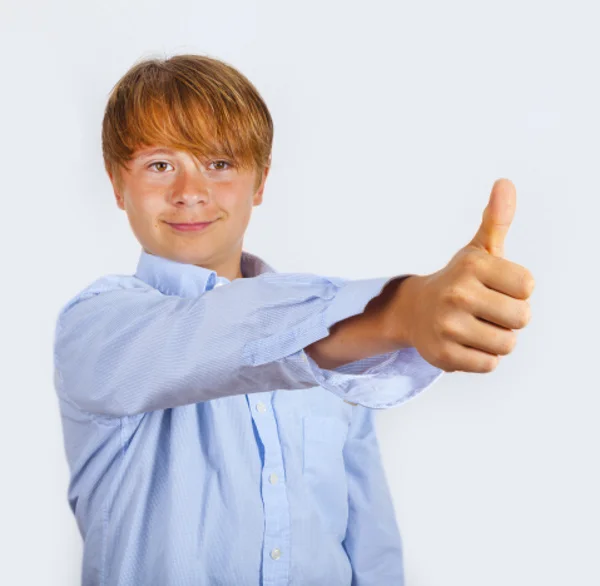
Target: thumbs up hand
(462, 317)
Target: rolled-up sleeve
(122, 347)
(378, 382)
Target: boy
(218, 416)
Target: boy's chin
(183, 254)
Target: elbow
(100, 399)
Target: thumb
(497, 217)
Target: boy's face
(174, 187)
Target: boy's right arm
(122, 347)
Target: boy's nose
(190, 189)
(190, 195)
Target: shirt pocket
(324, 470)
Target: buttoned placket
(276, 544)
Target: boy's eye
(220, 162)
(220, 165)
(158, 163)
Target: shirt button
(273, 478)
(276, 553)
(261, 407)
(304, 357)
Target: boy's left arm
(372, 540)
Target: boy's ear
(116, 184)
(258, 196)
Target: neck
(230, 268)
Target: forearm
(121, 347)
(366, 334)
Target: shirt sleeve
(372, 542)
(379, 382)
(122, 347)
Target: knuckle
(451, 292)
(458, 295)
(448, 328)
(471, 260)
(466, 297)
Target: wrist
(397, 314)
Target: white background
(392, 121)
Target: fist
(463, 316)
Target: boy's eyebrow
(156, 151)
(148, 152)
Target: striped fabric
(206, 448)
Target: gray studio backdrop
(392, 122)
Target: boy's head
(218, 134)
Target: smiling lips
(191, 227)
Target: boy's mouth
(188, 227)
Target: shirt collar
(187, 280)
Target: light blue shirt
(206, 448)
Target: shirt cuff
(393, 378)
